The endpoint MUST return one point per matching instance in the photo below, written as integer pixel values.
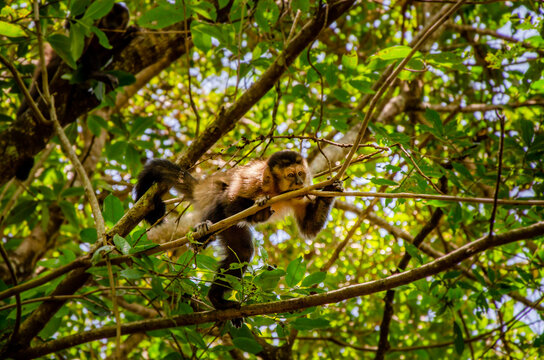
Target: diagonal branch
(226, 121)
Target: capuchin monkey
(227, 193)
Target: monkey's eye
(291, 175)
(300, 173)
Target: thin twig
(429, 197)
(418, 169)
(18, 313)
(499, 171)
(80, 170)
(24, 90)
(189, 86)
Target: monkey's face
(290, 178)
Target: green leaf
(458, 338)
(98, 9)
(302, 5)
(461, 169)
(93, 306)
(303, 323)
(132, 156)
(527, 129)
(102, 38)
(67, 256)
(385, 182)
(217, 31)
(11, 30)
(173, 356)
(539, 341)
(69, 211)
(124, 78)
(204, 9)
(268, 280)
(295, 272)
(97, 256)
(206, 262)
(73, 191)
(77, 41)
(394, 52)
(88, 235)
(78, 7)
(121, 244)
(51, 327)
(479, 277)
(342, 95)
(314, 279)
(414, 252)
(266, 14)
(446, 60)
(62, 46)
(113, 209)
(21, 211)
(131, 274)
(156, 285)
(95, 125)
(141, 124)
(163, 16)
(434, 118)
(201, 39)
(116, 151)
(349, 61)
(249, 345)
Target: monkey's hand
(261, 215)
(335, 186)
(261, 200)
(200, 233)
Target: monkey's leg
(238, 246)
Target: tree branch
(441, 264)
(226, 121)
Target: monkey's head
(288, 171)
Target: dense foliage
(214, 84)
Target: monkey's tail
(167, 174)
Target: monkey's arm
(312, 216)
(241, 203)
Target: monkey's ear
(267, 181)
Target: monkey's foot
(237, 322)
(201, 239)
(202, 228)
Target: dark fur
(23, 170)
(167, 174)
(93, 58)
(225, 194)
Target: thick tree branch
(435, 267)
(427, 249)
